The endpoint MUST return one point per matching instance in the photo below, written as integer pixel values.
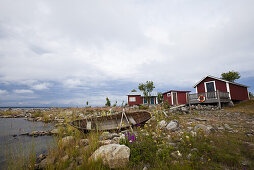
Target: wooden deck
(210, 97)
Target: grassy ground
(244, 107)
(158, 148)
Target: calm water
(25, 145)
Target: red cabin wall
(220, 85)
(238, 92)
(181, 97)
(166, 98)
(139, 100)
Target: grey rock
(105, 142)
(207, 129)
(65, 158)
(176, 154)
(173, 125)
(54, 131)
(113, 155)
(67, 140)
(227, 127)
(162, 124)
(84, 142)
(47, 161)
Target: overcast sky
(64, 53)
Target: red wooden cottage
(174, 97)
(213, 88)
(137, 98)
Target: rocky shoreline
(178, 135)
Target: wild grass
(78, 155)
(244, 107)
(18, 158)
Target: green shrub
(143, 107)
(166, 105)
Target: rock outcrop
(113, 155)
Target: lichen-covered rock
(206, 128)
(45, 162)
(113, 155)
(173, 125)
(105, 142)
(67, 140)
(162, 124)
(54, 131)
(84, 142)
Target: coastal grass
(243, 107)
(77, 154)
(18, 158)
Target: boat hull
(111, 122)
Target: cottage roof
(175, 91)
(220, 80)
(141, 94)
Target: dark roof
(220, 80)
(175, 91)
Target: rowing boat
(112, 122)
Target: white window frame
(132, 99)
(213, 86)
(169, 94)
(210, 82)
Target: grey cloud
(85, 43)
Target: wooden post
(189, 101)
(218, 97)
(123, 114)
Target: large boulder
(173, 125)
(113, 155)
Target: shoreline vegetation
(203, 138)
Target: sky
(64, 53)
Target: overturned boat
(112, 122)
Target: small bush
(143, 107)
(166, 105)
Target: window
(210, 87)
(168, 94)
(145, 101)
(132, 99)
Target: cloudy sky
(64, 53)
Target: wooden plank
(219, 103)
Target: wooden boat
(112, 122)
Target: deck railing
(210, 95)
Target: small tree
(146, 88)
(230, 76)
(133, 90)
(160, 97)
(86, 103)
(108, 104)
